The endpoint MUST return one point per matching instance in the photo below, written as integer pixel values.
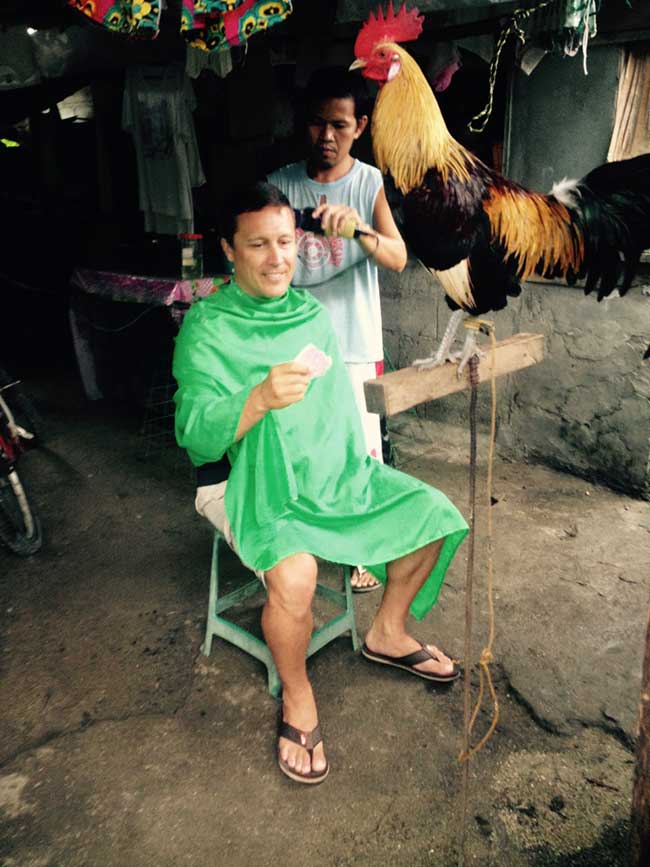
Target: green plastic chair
(246, 641)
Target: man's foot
(302, 759)
(363, 581)
(424, 660)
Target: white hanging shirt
(157, 111)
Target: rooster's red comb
(402, 27)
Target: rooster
(478, 232)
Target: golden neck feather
(409, 133)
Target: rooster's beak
(358, 64)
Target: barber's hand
(339, 219)
(285, 384)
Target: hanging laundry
(580, 22)
(207, 24)
(157, 111)
(200, 8)
(241, 20)
(562, 26)
(131, 17)
(219, 62)
(194, 12)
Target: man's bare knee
(291, 584)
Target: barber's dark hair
(244, 200)
(336, 82)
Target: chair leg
(214, 594)
(275, 684)
(206, 647)
(242, 638)
(349, 605)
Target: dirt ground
(122, 744)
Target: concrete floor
(121, 744)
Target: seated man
(301, 485)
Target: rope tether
(486, 654)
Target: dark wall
(560, 120)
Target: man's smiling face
(263, 251)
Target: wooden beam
(403, 389)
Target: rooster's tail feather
(613, 210)
(457, 284)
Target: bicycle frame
(12, 435)
(20, 529)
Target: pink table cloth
(145, 290)
(169, 292)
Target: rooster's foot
(434, 361)
(443, 354)
(460, 357)
(470, 348)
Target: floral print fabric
(131, 17)
(208, 24)
(237, 23)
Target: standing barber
(342, 274)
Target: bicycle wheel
(23, 410)
(20, 527)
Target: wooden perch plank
(402, 389)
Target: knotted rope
(486, 658)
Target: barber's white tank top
(336, 270)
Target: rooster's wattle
(480, 233)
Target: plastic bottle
(191, 256)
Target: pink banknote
(313, 358)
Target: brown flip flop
(409, 662)
(307, 740)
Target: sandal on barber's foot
(408, 663)
(309, 741)
(363, 588)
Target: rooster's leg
(443, 353)
(470, 348)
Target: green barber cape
(301, 480)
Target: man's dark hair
(336, 82)
(244, 200)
